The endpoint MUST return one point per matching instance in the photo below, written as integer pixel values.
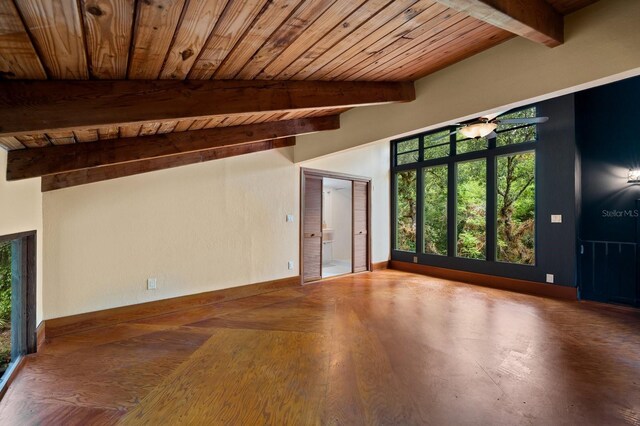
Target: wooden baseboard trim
(40, 335)
(612, 307)
(511, 284)
(10, 375)
(378, 266)
(91, 320)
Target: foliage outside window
(408, 151)
(441, 171)
(406, 211)
(464, 145)
(435, 209)
(510, 134)
(516, 208)
(471, 209)
(5, 305)
(436, 145)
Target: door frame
(27, 246)
(304, 171)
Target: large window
(467, 198)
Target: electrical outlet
(550, 278)
(152, 283)
(290, 265)
(289, 218)
(415, 259)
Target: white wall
(371, 161)
(341, 222)
(21, 211)
(196, 228)
(602, 45)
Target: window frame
(491, 154)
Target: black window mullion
(452, 200)
(452, 141)
(419, 210)
(393, 197)
(491, 235)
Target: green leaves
(406, 210)
(471, 196)
(435, 209)
(5, 284)
(516, 208)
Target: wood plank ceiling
(319, 40)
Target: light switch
(556, 218)
(289, 218)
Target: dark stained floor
(376, 348)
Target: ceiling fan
(485, 126)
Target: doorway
(17, 302)
(335, 224)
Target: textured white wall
(21, 211)
(196, 228)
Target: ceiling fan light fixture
(478, 130)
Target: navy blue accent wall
(607, 120)
(556, 191)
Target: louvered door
(312, 228)
(360, 226)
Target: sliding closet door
(360, 226)
(312, 232)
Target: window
(408, 151)
(406, 207)
(5, 305)
(17, 302)
(464, 145)
(467, 199)
(471, 209)
(510, 134)
(437, 145)
(435, 209)
(515, 214)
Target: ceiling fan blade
(533, 120)
(444, 136)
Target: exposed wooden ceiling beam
(28, 163)
(535, 20)
(44, 106)
(97, 174)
